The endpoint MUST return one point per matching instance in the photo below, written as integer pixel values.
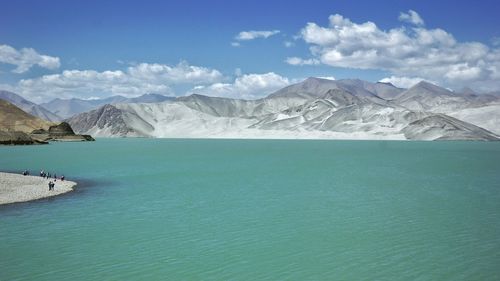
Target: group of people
(48, 176)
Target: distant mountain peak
(195, 96)
(107, 106)
(29, 107)
(386, 83)
(427, 88)
(468, 91)
(425, 84)
(315, 80)
(353, 80)
(69, 107)
(151, 95)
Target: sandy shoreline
(18, 188)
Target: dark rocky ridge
(17, 138)
(100, 118)
(61, 132)
(62, 129)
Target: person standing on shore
(51, 185)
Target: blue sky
(92, 49)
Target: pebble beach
(18, 188)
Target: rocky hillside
(19, 127)
(29, 107)
(17, 138)
(60, 132)
(12, 118)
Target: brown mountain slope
(13, 118)
(19, 127)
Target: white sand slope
(314, 108)
(19, 188)
(487, 117)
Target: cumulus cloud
(406, 52)
(26, 58)
(180, 73)
(248, 86)
(411, 17)
(134, 80)
(254, 34)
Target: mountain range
(314, 108)
(29, 107)
(69, 107)
(59, 109)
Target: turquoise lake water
(159, 209)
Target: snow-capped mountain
(314, 108)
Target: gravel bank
(19, 188)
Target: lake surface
(159, 209)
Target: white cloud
(495, 41)
(327, 77)
(300, 61)
(235, 44)
(248, 86)
(432, 54)
(288, 44)
(411, 17)
(254, 34)
(134, 80)
(180, 73)
(26, 58)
